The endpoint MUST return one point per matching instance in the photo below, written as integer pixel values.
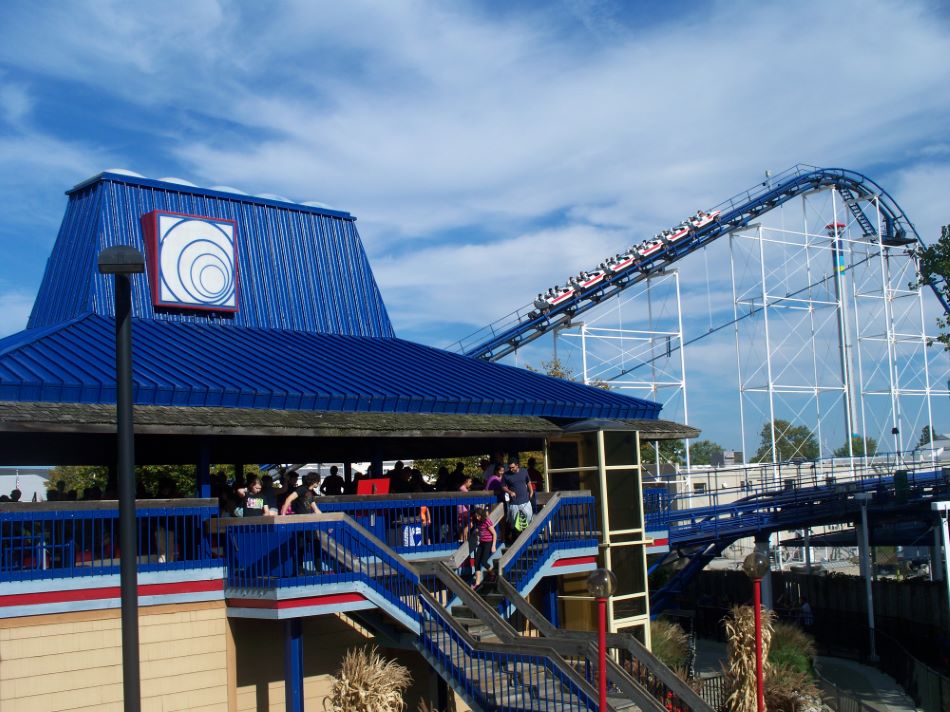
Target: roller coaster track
(524, 325)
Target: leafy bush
(792, 648)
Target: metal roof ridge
(26, 337)
(210, 192)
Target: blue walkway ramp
(782, 497)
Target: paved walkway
(877, 690)
(868, 684)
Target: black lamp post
(122, 261)
(601, 584)
(756, 566)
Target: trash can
(901, 486)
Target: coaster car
(650, 247)
(702, 218)
(678, 232)
(586, 280)
(621, 262)
(558, 295)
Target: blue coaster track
(523, 326)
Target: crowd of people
(514, 486)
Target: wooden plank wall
(72, 661)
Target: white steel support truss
(827, 327)
(637, 345)
(831, 332)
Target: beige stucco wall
(72, 661)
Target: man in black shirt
(303, 500)
(517, 485)
(333, 484)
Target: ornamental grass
(367, 682)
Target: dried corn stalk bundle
(367, 682)
(740, 674)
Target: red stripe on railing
(575, 561)
(94, 594)
(335, 599)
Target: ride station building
(260, 335)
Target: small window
(699, 488)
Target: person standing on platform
(303, 500)
(253, 502)
(332, 484)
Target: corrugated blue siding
(299, 268)
(66, 289)
(194, 364)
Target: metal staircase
(424, 604)
(496, 667)
(867, 229)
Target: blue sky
(488, 149)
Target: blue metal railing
(498, 676)
(413, 524)
(58, 540)
(777, 494)
(566, 522)
(313, 550)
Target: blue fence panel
(273, 556)
(82, 539)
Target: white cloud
(15, 306)
(477, 283)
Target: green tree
(859, 446)
(556, 369)
(672, 452)
(147, 477)
(790, 441)
(431, 466)
(926, 437)
(935, 270)
(704, 452)
(79, 478)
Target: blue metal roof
(299, 267)
(195, 364)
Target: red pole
(602, 650)
(759, 677)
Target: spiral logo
(196, 263)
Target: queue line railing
(59, 540)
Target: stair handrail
(507, 648)
(541, 520)
(335, 550)
(617, 674)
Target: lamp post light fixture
(122, 261)
(756, 566)
(601, 584)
